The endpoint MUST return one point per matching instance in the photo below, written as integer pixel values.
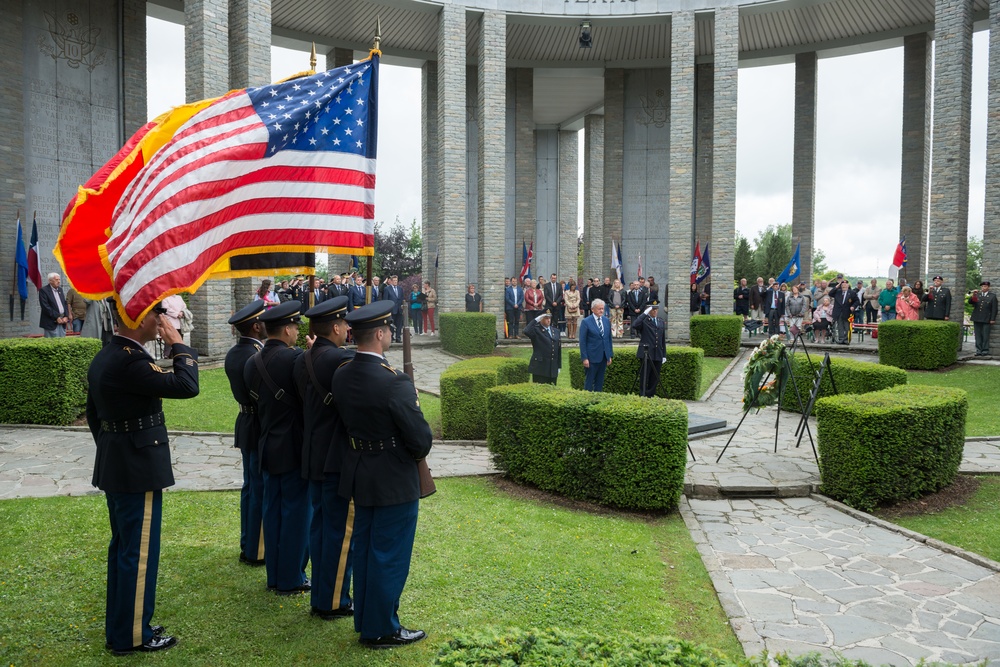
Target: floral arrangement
(764, 360)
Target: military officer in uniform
(546, 349)
(388, 435)
(984, 316)
(132, 467)
(323, 442)
(938, 300)
(269, 376)
(652, 350)
(247, 433)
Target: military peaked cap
(248, 313)
(329, 310)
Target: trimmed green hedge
(680, 377)
(850, 376)
(718, 335)
(463, 393)
(44, 380)
(467, 334)
(622, 451)
(919, 345)
(300, 340)
(890, 445)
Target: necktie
(600, 325)
(774, 300)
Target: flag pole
(312, 59)
(13, 286)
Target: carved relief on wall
(654, 110)
(70, 41)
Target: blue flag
(21, 261)
(793, 269)
(705, 268)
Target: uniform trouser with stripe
(251, 506)
(331, 546)
(286, 529)
(133, 563)
(383, 544)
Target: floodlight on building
(586, 41)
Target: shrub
(922, 345)
(680, 377)
(467, 334)
(717, 335)
(44, 380)
(623, 451)
(300, 340)
(850, 376)
(463, 393)
(890, 445)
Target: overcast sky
(859, 127)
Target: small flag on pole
(639, 270)
(704, 267)
(526, 256)
(793, 269)
(616, 260)
(21, 262)
(898, 259)
(34, 264)
(695, 262)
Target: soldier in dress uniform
(247, 432)
(132, 467)
(546, 349)
(984, 316)
(652, 350)
(938, 300)
(388, 435)
(269, 376)
(323, 442)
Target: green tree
(819, 263)
(773, 249)
(398, 250)
(743, 266)
(974, 264)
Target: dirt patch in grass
(515, 490)
(953, 495)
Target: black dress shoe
(157, 643)
(340, 612)
(250, 561)
(304, 587)
(157, 631)
(401, 638)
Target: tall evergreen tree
(773, 250)
(743, 266)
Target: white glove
(541, 317)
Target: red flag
(696, 262)
(34, 265)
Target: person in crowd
(845, 303)
(585, 296)
(533, 300)
(653, 293)
(773, 306)
(430, 305)
(887, 301)
(77, 308)
(132, 466)
(395, 294)
(388, 436)
(706, 297)
(54, 316)
(175, 310)
(416, 305)
(635, 302)
(513, 305)
(596, 348)
(652, 351)
(920, 292)
(378, 291)
(822, 319)
(741, 300)
(984, 316)
(266, 294)
(100, 320)
(907, 304)
(938, 301)
(796, 311)
(695, 299)
(617, 303)
(473, 301)
(554, 298)
(603, 290)
(571, 301)
(871, 295)
(546, 349)
(757, 294)
(859, 292)
(356, 295)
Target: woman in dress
(907, 304)
(571, 298)
(616, 302)
(429, 305)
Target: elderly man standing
(55, 314)
(596, 349)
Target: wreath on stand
(764, 360)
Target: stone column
(451, 158)
(134, 66)
(492, 103)
(704, 148)
(614, 161)
(206, 74)
(682, 139)
(949, 211)
(525, 172)
(804, 161)
(569, 173)
(430, 196)
(593, 197)
(12, 151)
(338, 57)
(727, 46)
(916, 156)
(991, 226)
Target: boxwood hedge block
(622, 451)
(463, 393)
(44, 380)
(890, 445)
(850, 376)
(467, 334)
(920, 345)
(718, 335)
(680, 377)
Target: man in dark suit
(602, 292)
(269, 375)
(757, 294)
(652, 350)
(586, 294)
(132, 467)
(54, 312)
(513, 305)
(554, 298)
(388, 436)
(596, 350)
(247, 432)
(635, 303)
(356, 295)
(773, 305)
(845, 301)
(378, 291)
(323, 443)
(394, 294)
(546, 349)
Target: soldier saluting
(938, 300)
(652, 350)
(132, 467)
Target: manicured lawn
(481, 558)
(981, 382)
(972, 526)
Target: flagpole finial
(377, 43)
(312, 58)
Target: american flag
(280, 168)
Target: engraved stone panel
(471, 177)
(547, 203)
